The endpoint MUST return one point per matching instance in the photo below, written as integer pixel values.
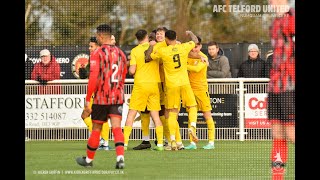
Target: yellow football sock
(172, 124)
(105, 131)
(178, 134)
(126, 134)
(165, 128)
(192, 116)
(211, 129)
(145, 122)
(88, 122)
(159, 134)
(190, 137)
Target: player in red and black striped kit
(281, 92)
(107, 77)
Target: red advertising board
(256, 111)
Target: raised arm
(193, 37)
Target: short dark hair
(154, 31)
(199, 40)
(141, 34)
(104, 28)
(93, 39)
(162, 29)
(152, 36)
(213, 43)
(171, 35)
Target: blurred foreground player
(281, 92)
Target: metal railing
(239, 86)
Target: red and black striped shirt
(108, 71)
(282, 33)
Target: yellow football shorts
(174, 95)
(145, 95)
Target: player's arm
(155, 55)
(204, 58)
(133, 63)
(94, 71)
(197, 68)
(193, 37)
(132, 69)
(147, 53)
(194, 55)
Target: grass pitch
(230, 160)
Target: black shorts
(281, 106)
(103, 112)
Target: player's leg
(279, 148)
(138, 102)
(290, 115)
(87, 118)
(190, 102)
(145, 122)
(203, 103)
(162, 114)
(116, 117)
(128, 126)
(159, 130)
(211, 130)
(105, 136)
(192, 144)
(153, 105)
(283, 130)
(88, 122)
(172, 104)
(99, 116)
(166, 130)
(180, 145)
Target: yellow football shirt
(174, 59)
(197, 71)
(154, 51)
(145, 71)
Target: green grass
(232, 160)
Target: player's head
(93, 44)
(142, 35)
(152, 35)
(103, 33)
(198, 46)
(160, 32)
(213, 49)
(113, 40)
(170, 36)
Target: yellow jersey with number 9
(174, 59)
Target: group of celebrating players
(166, 73)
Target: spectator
(219, 66)
(269, 58)
(47, 70)
(254, 67)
